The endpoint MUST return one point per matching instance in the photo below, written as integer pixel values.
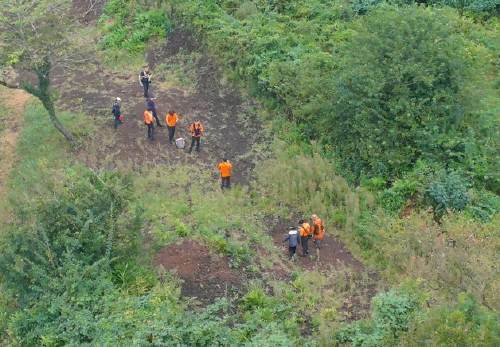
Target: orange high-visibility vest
(305, 230)
(319, 229)
(171, 119)
(225, 169)
(148, 117)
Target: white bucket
(180, 143)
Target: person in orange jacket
(318, 233)
(149, 121)
(171, 118)
(305, 232)
(225, 168)
(196, 130)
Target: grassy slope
(175, 209)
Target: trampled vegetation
(381, 117)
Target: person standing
(318, 233)
(145, 80)
(196, 130)
(305, 235)
(293, 241)
(117, 114)
(171, 119)
(149, 121)
(225, 168)
(151, 106)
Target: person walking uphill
(151, 106)
(293, 241)
(145, 80)
(196, 130)
(318, 233)
(117, 113)
(149, 121)
(225, 168)
(305, 234)
(171, 120)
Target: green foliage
(392, 313)
(484, 8)
(394, 198)
(39, 33)
(377, 92)
(484, 205)
(76, 225)
(407, 108)
(464, 324)
(449, 191)
(127, 25)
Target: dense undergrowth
(396, 108)
(390, 109)
(76, 254)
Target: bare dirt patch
(87, 11)
(360, 284)
(231, 128)
(333, 253)
(205, 276)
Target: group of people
(150, 115)
(303, 233)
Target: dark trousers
(155, 115)
(195, 140)
(171, 133)
(145, 85)
(225, 182)
(304, 241)
(151, 131)
(117, 122)
(291, 251)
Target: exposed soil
(332, 253)
(87, 11)
(231, 131)
(360, 282)
(206, 276)
(14, 100)
(230, 128)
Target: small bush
(449, 191)
(464, 324)
(128, 26)
(394, 198)
(392, 313)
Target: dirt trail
(206, 276)
(14, 101)
(332, 253)
(231, 131)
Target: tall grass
(41, 154)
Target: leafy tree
(401, 92)
(34, 40)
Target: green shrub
(464, 324)
(484, 205)
(394, 198)
(449, 191)
(392, 313)
(128, 26)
